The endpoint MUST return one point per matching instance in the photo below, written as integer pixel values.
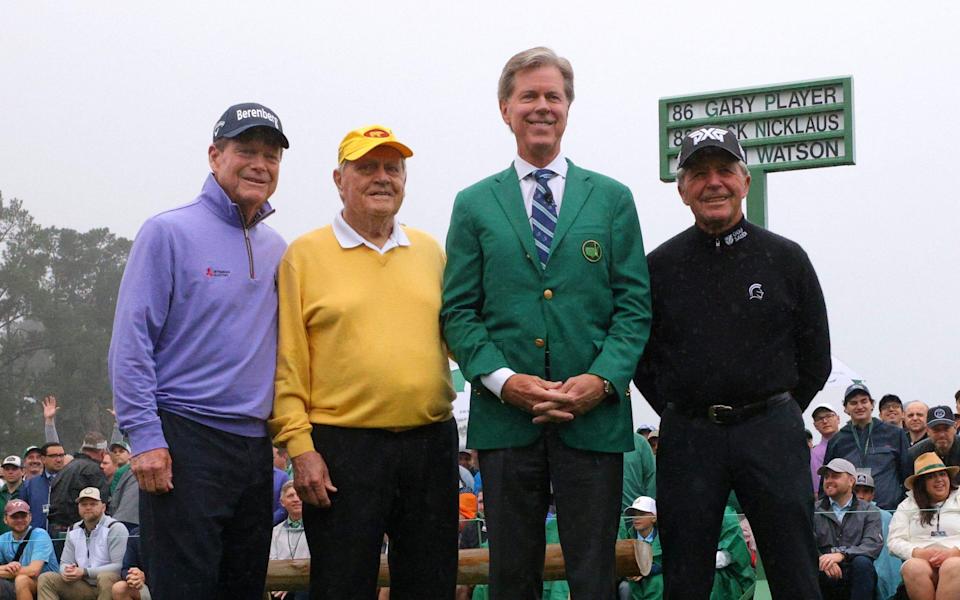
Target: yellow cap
(360, 141)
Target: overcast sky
(107, 109)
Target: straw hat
(926, 463)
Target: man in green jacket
(546, 308)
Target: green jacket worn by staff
(639, 472)
(590, 306)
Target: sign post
(783, 127)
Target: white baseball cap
(642, 504)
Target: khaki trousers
(52, 586)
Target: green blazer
(590, 307)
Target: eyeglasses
(825, 417)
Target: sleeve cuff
(298, 444)
(146, 437)
(496, 380)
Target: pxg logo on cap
(709, 137)
(241, 117)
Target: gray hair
(532, 59)
(682, 171)
(286, 486)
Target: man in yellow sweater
(363, 390)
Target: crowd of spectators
(70, 524)
(886, 520)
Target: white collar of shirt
(349, 238)
(557, 184)
(836, 505)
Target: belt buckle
(717, 412)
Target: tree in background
(58, 292)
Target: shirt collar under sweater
(348, 237)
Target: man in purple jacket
(827, 422)
(192, 364)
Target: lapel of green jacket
(507, 192)
(575, 193)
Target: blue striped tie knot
(543, 214)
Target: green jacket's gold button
(539, 343)
(548, 294)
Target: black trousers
(402, 484)
(209, 537)
(766, 461)
(516, 493)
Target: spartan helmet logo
(755, 291)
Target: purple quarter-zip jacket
(195, 332)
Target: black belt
(723, 414)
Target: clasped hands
(830, 565)
(553, 401)
(936, 554)
(72, 572)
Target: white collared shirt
(494, 381)
(348, 237)
(528, 182)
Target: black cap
(241, 117)
(709, 137)
(939, 415)
(855, 388)
(890, 399)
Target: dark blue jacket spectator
(280, 477)
(131, 557)
(36, 493)
(881, 448)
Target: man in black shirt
(739, 347)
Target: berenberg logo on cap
(376, 133)
(257, 113)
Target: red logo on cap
(376, 133)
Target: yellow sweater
(360, 342)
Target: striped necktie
(543, 214)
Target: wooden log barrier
(293, 575)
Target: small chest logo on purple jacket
(211, 273)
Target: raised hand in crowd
(50, 409)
